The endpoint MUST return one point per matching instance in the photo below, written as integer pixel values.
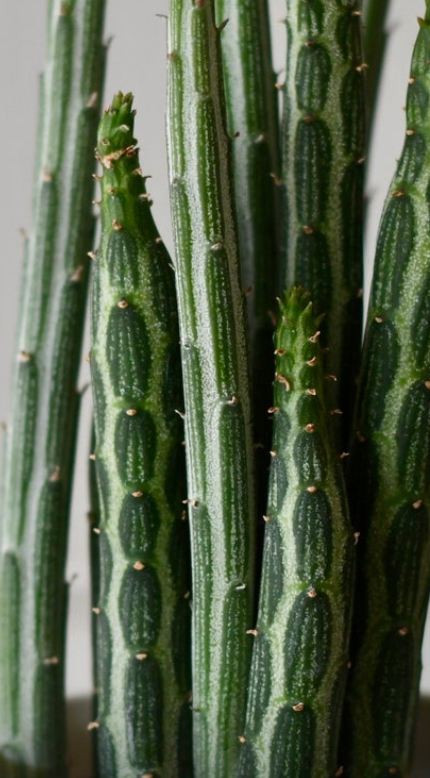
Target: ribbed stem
(40, 439)
(300, 653)
(142, 610)
(323, 179)
(217, 406)
(375, 42)
(388, 474)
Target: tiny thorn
(411, 80)
(362, 67)
(187, 595)
(96, 611)
(310, 428)
(92, 457)
(141, 657)
(253, 632)
(138, 566)
(361, 160)
(312, 489)
(403, 631)
(312, 362)
(240, 587)
(92, 100)
(267, 518)
(138, 493)
(77, 275)
(273, 454)
(356, 13)
(356, 536)
(87, 357)
(330, 377)
(122, 304)
(309, 119)
(92, 725)
(233, 400)
(116, 225)
(51, 660)
(348, 665)
(417, 504)
(46, 176)
(91, 254)
(308, 230)
(280, 352)
(273, 409)
(249, 290)
(336, 411)
(159, 240)
(398, 193)
(339, 772)
(299, 707)
(96, 530)
(96, 202)
(131, 412)
(314, 338)
(242, 739)
(24, 356)
(427, 384)
(277, 180)
(223, 25)
(184, 516)
(137, 171)
(279, 85)
(281, 379)
(180, 413)
(311, 392)
(312, 593)
(55, 475)
(344, 454)
(410, 132)
(97, 177)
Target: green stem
(323, 137)
(300, 653)
(40, 439)
(218, 433)
(142, 611)
(375, 42)
(388, 474)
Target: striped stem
(300, 652)
(40, 439)
(388, 474)
(323, 178)
(142, 611)
(218, 432)
(375, 43)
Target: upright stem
(218, 435)
(37, 475)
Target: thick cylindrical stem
(218, 434)
(300, 650)
(389, 467)
(40, 438)
(322, 179)
(142, 610)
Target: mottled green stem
(142, 611)
(40, 438)
(375, 41)
(218, 432)
(251, 99)
(300, 653)
(323, 178)
(389, 469)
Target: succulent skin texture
(322, 181)
(142, 612)
(39, 453)
(300, 643)
(388, 469)
(218, 435)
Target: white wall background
(136, 63)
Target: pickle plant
(215, 657)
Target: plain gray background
(137, 63)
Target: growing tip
(115, 132)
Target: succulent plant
(39, 454)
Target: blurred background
(136, 62)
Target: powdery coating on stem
(40, 439)
(300, 644)
(322, 179)
(388, 474)
(217, 407)
(142, 612)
